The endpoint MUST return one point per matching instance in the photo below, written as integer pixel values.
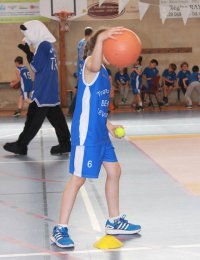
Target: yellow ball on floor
(119, 132)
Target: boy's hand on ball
(116, 131)
(110, 33)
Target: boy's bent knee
(78, 181)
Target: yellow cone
(108, 242)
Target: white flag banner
(122, 4)
(143, 7)
(185, 13)
(164, 10)
(101, 2)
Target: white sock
(63, 225)
(112, 220)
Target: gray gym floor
(31, 187)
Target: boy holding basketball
(91, 145)
(26, 84)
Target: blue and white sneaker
(121, 227)
(61, 237)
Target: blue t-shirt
(170, 75)
(194, 76)
(26, 81)
(150, 73)
(182, 75)
(91, 112)
(135, 78)
(123, 78)
(80, 61)
(44, 64)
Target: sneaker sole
(7, 150)
(60, 153)
(121, 232)
(59, 245)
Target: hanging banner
(122, 4)
(185, 12)
(164, 11)
(13, 11)
(143, 7)
(175, 7)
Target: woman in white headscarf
(45, 99)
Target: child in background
(26, 84)
(168, 80)
(194, 84)
(122, 79)
(91, 144)
(182, 74)
(135, 79)
(150, 72)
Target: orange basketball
(124, 50)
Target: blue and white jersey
(170, 75)
(135, 78)
(26, 81)
(80, 61)
(44, 64)
(91, 112)
(194, 76)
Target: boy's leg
(57, 120)
(198, 91)
(20, 102)
(126, 92)
(170, 88)
(19, 106)
(183, 88)
(113, 171)
(60, 234)
(116, 224)
(68, 198)
(122, 92)
(188, 93)
(179, 94)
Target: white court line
(150, 125)
(93, 218)
(38, 161)
(76, 252)
(97, 251)
(186, 246)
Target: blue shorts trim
(86, 161)
(136, 91)
(29, 93)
